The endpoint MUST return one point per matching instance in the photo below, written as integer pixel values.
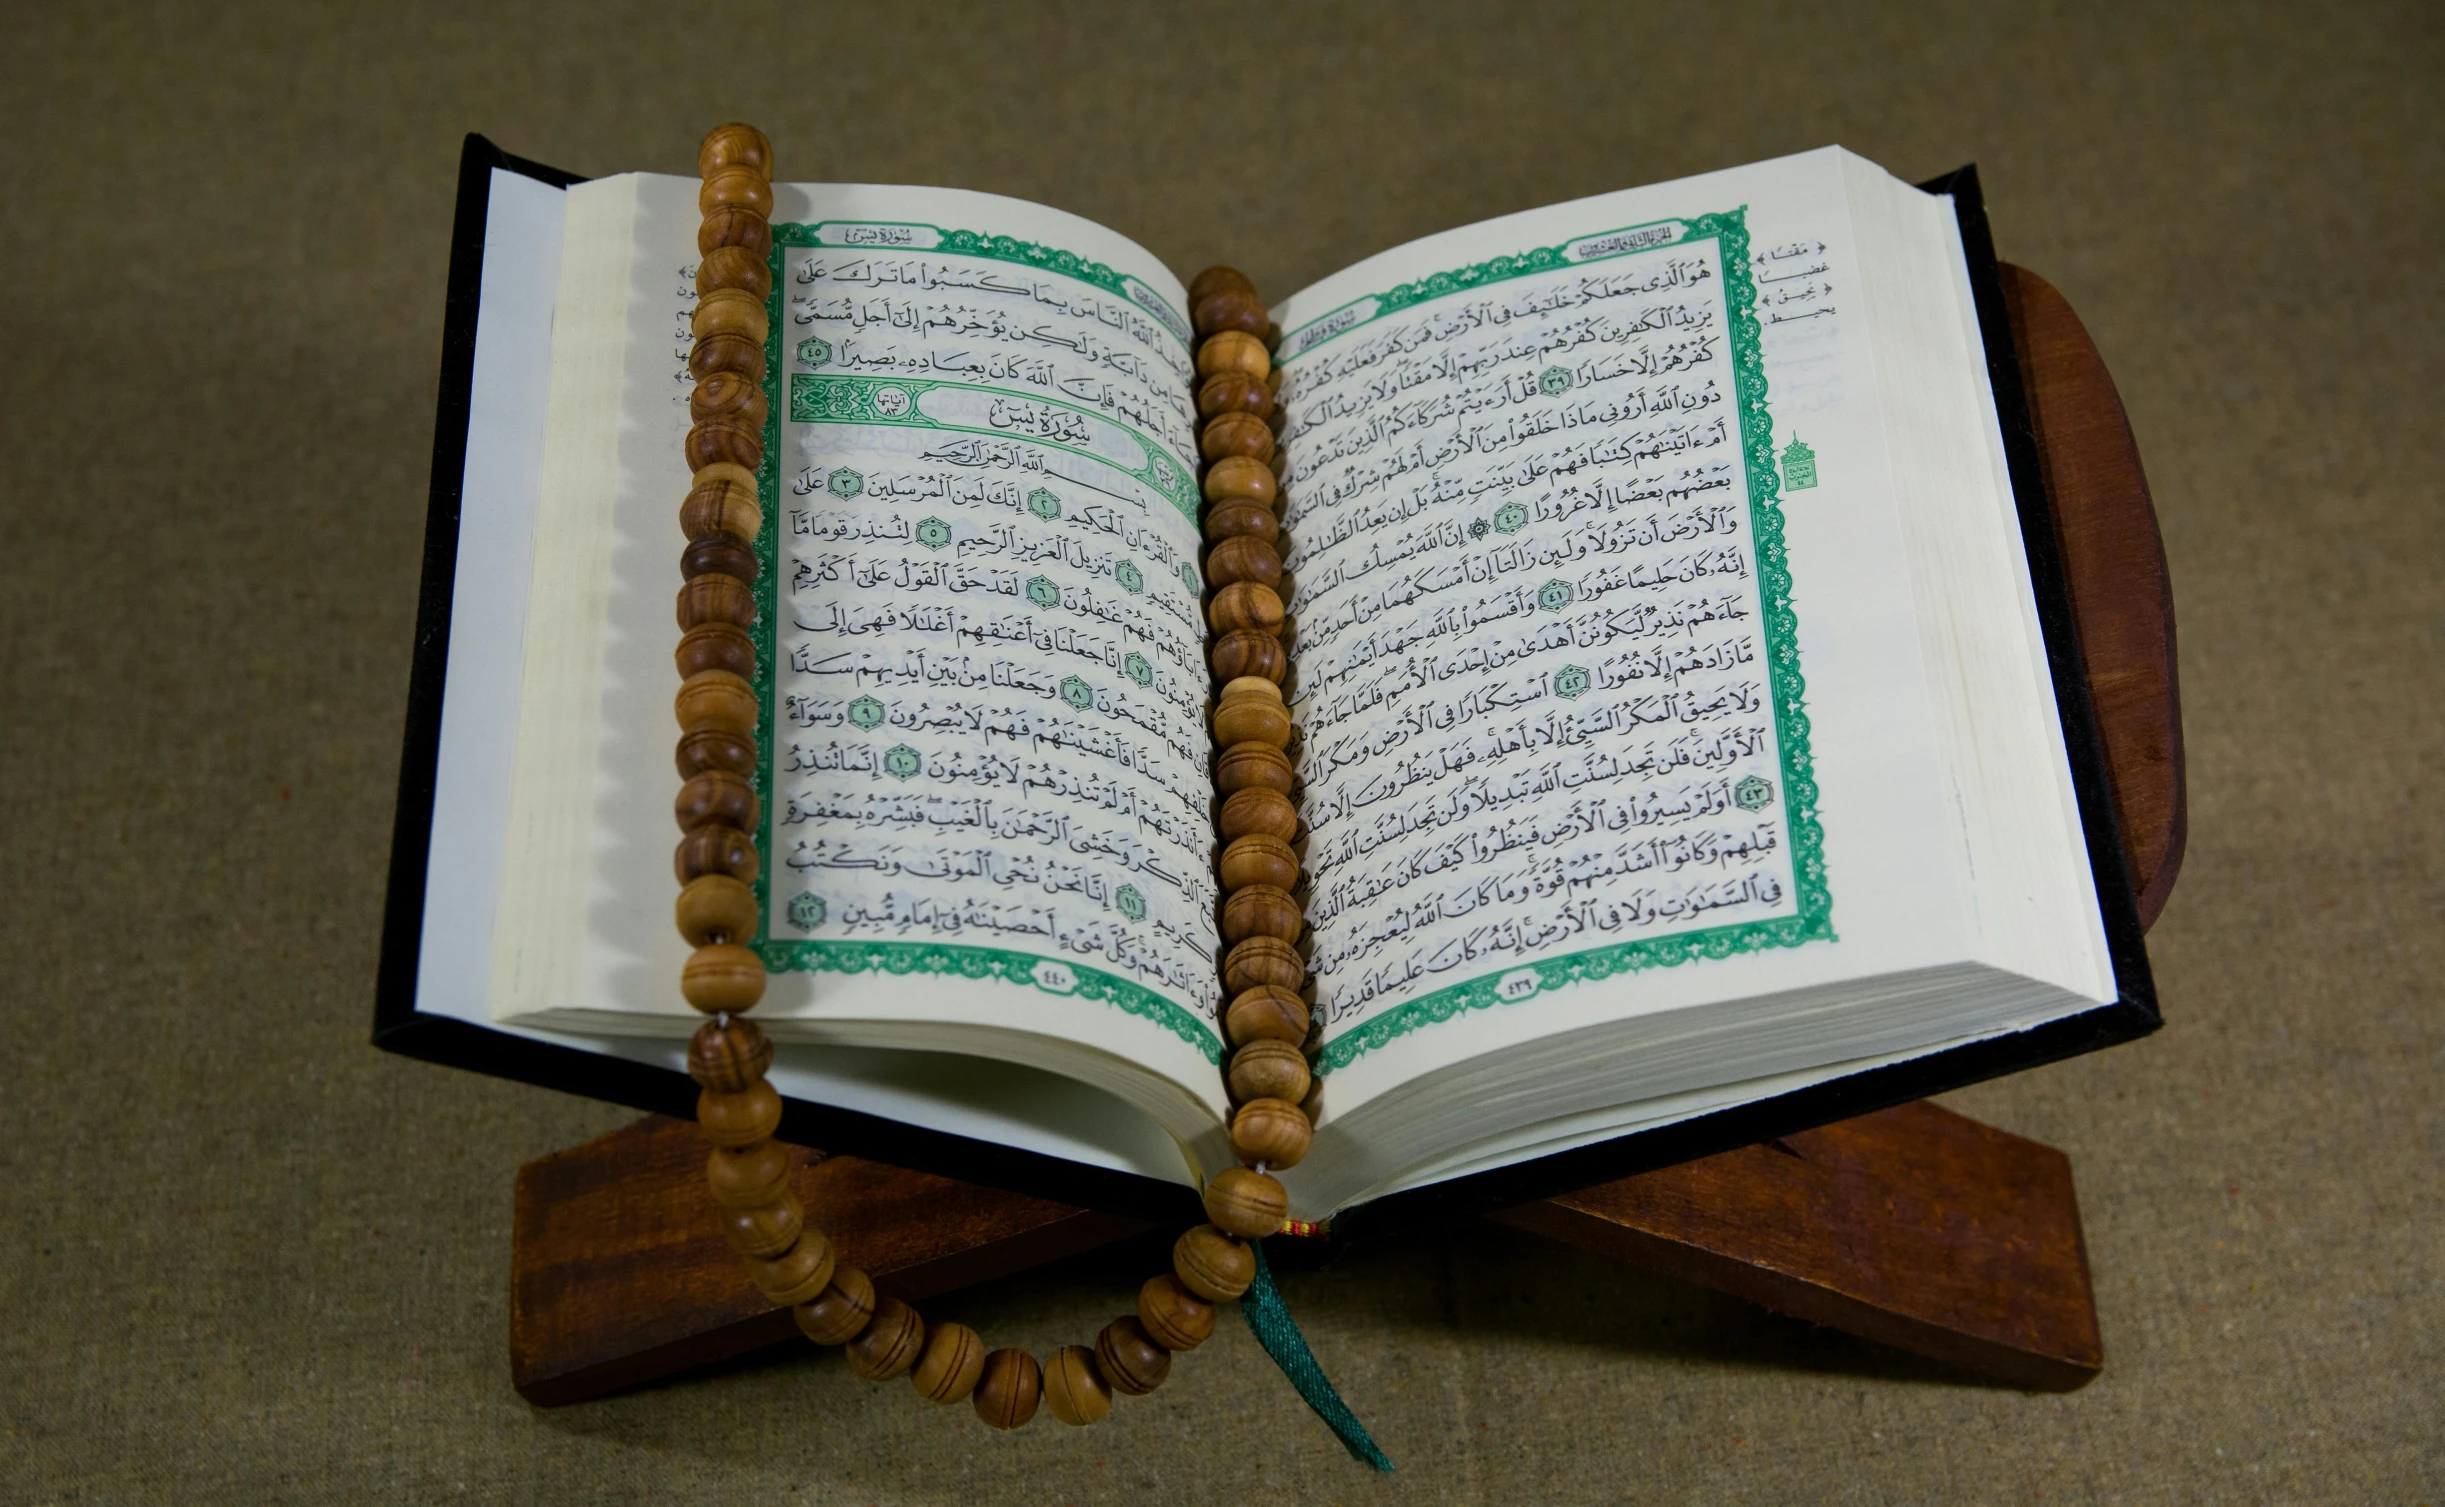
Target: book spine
(1269, 1017)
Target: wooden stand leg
(1914, 1227)
(619, 1273)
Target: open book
(1679, 738)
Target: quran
(1685, 735)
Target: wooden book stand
(1914, 1226)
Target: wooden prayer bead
(1260, 960)
(1074, 1389)
(1260, 910)
(762, 1233)
(747, 1176)
(951, 1364)
(1239, 476)
(1266, 1013)
(841, 1311)
(734, 267)
(735, 225)
(1242, 518)
(1273, 337)
(728, 311)
(727, 353)
(1271, 1132)
(734, 142)
(1251, 688)
(716, 698)
(729, 1057)
(1172, 1316)
(721, 509)
(1313, 1105)
(715, 797)
(1214, 280)
(1245, 604)
(1269, 1070)
(716, 599)
(1253, 765)
(715, 646)
(1233, 350)
(1212, 1265)
(1233, 391)
(1007, 1394)
(1229, 309)
(724, 440)
(1245, 1203)
(716, 850)
(739, 1119)
(1232, 434)
(1243, 557)
(890, 1343)
(723, 474)
(1240, 721)
(797, 1274)
(735, 184)
(1130, 1360)
(1246, 651)
(727, 395)
(1259, 859)
(1279, 465)
(719, 553)
(715, 748)
(722, 976)
(1257, 810)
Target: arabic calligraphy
(1534, 683)
(988, 689)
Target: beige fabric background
(248, 1259)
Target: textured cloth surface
(251, 1260)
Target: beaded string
(1268, 1022)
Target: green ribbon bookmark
(1272, 1325)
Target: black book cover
(399, 1027)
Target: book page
(987, 652)
(985, 797)
(1555, 644)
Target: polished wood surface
(1914, 1227)
(2122, 594)
(621, 1274)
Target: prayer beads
(719, 807)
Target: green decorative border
(1814, 920)
(1002, 248)
(959, 960)
(956, 960)
(819, 399)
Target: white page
(1075, 932)
(500, 474)
(1467, 491)
(992, 1102)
